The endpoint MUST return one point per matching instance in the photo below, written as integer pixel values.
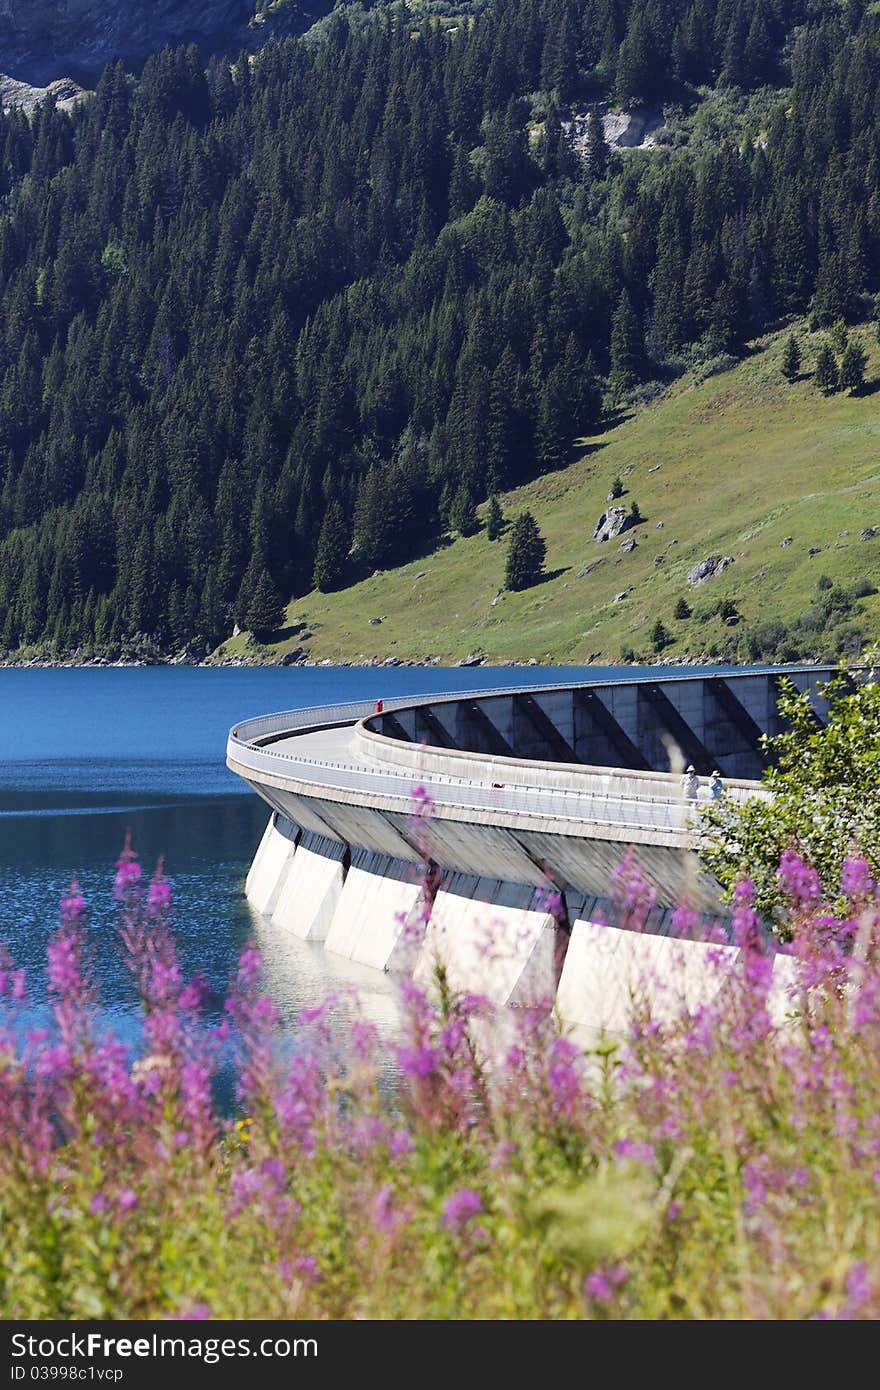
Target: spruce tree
(660, 636)
(627, 346)
(852, 368)
(331, 555)
(265, 613)
(463, 513)
(597, 150)
(526, 552)
(791, 359)
(494, 519)
(682, 609)
(827, 375)
(838, 335)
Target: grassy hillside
(731, 466)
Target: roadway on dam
(332, 760)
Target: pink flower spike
(459, 1208)
(73, 904)
(159, 892)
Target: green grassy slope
(732, 466)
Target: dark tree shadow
(868, 388)
(547, 575)
(580, 451)
(295, 630)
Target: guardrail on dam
(432, 824)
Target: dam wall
(483, 833)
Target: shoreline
(372, 663)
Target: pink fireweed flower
(128, 870)
(194, 996)
(564, 1076)
(599, 1286)
(69, 982)
(424, 802)
(368, 1133)
(474, 1005)
(382, 1210)
(601, 1283)
(746, 925)
(73, 904)
(126, 1200)
(159, 892)
(460, 1208)
(300, 1104)
(364, 1038)
(856, 881)
(799, 881)
(685, 922)
(401, 1143)
(250, 966)
(635, 1151)
(417, 1062)
(632, 895)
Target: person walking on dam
(690, 783)
(716, 786)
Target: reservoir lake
(87, 753)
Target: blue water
(87, 753)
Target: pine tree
(526, 552)
(494, 519)
(682, 609)
(852, 368)
(827, 375)
(791, 359)
(265, 613)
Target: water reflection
(300, 974)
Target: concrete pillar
(495, 939)
(783, 999)
(271, 862)
(608, 973)
(311, 888)
(378, 899)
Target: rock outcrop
(41, 40)
(611, 524)
(708, 568)
(63, 91)
(637, 128)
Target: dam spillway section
(484, 828)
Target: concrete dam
(483, 829)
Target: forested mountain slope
(775, 480)
(295, 316)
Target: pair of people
(690, 784)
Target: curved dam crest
(482, 829)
